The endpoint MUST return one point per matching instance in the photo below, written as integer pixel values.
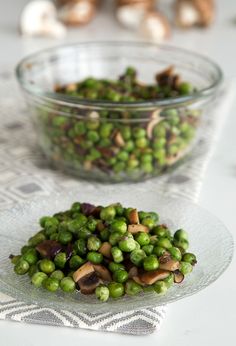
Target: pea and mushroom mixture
(107, 251)
(119, 143)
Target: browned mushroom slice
(137, 279)
(171, 265)
(84, 270)
(133, 272)
(178, 276)
(119, 140)
(105, 249)
(150, 277)
(155, 119)
(166, 257)
(137, 228)
(102, 272)
(133, 216)
(88, 283)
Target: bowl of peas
(116, 112)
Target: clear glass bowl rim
(72, 101)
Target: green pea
(119, 210)
(57, 274)
(75, 225)
(105, 130)
(122, 156)
(93, 243)
(102, 293)
(76, 206)
(115, 266)
(119, 167)
(67, 285)
(116, 290)
(159, 251)
(51, 284)
(84, 233)
(76, 261)
(150, 263)
(175, 253)
(132, 163)
(91, 224)
(21, 267)
(46, 266)
(117, 254)
(93, 136)
(147, 167)
(104, 234)
(169, 281)
(115, 237)
(159, 143)
(60, 260)
(92, 124)
(30, 256)
(125, 132)
(142, 238)
(139, 132)
(94, 257)
(185, 88)
(65, 237)
(161, 231)
(164, 242)
(180, 234)
(129, 146)
(182, 244)
(118, 226)
(24, 249)
(137, 257)
(141, 143)
(80, 247)
(36, 239)
(149, 222)
(127, 244)
(185, 268)
(38, 279)
(142, 215)
(120, 275)
(146, 158)
(160, 287)
(132, 288)
(14, 259)
(54, 236)
(79, 128)
(32, 270)
(190, 258)
(108, 213)
(148, 249)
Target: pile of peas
(128, 245)
(115, 144)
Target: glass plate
(209, 240)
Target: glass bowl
(209, 240)
(64, 123)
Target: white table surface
(209, 317)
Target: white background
(209, 317)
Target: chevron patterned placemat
(23, 175)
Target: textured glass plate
(209, 240)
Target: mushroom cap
(89, 283)
(39, 17)
(155, 26)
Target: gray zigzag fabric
(24, 174)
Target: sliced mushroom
(155, 119)
(84, 270)
(137, 228)
(88, 283)
(178, 276)
(119, 140)
(133, 272)
(133, 216)
(150, 277)
(137, 279)
(171, 265)
(102, 272)
(166, 257)
(105, 249)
